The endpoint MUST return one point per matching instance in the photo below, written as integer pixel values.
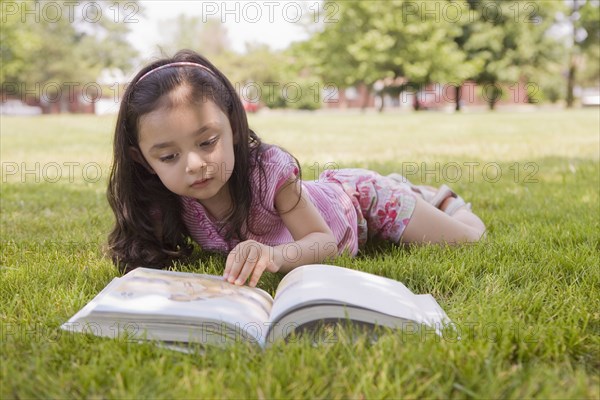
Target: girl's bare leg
(464, 215)
(431, 225)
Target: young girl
(186, 165)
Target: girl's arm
(313, 240)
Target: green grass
(526, 300)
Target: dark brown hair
(135, 194)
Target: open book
(179, 307)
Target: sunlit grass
(354, 138)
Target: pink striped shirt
(329, 198)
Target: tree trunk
(416, 102)
(570, 85)
(494, 97)
(572, 65)
(457, 97)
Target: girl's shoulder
(276, 166)
(271, 156)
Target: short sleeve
(278, 167)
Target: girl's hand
(249, 257)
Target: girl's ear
(138, 157)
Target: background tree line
(491, 42)
(53, 45)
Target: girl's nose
(194, 163)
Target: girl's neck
(219, 206)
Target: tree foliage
(60, 42)
(372, 40)
(490, 41)
(493, 42)
(277, 78)
(207, 37)
(589, 45)
(510, 42)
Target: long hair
(138, 197)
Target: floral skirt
(383, 205)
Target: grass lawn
(526, 300)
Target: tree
(510, 41)
(209, 38)
(574, 53)
(374, 40)
(584, 46)
(590, 44)
(47, 45)
(276, 78)
(491, 41)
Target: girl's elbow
(328, 246)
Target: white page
(316, 283)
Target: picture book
(177, 308)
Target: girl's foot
(449, 202)
(443, 198)
(451, 205)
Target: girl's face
(190, 148)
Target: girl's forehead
(188, 117)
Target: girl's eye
(209, 142)
(168, 158)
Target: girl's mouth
(200, 183)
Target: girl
(186, 165)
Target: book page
(181, 298)
(325, 284)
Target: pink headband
(177, 64)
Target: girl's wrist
(279, 260)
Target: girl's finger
(250, 263)
(235, 262)
(229, 264)
(257, 273)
